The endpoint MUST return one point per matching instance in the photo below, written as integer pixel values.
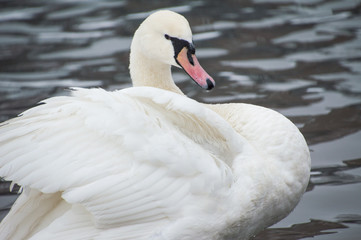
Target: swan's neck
(149, 72)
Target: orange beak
(190, 64)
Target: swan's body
(150, 163)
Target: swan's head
(165, 36)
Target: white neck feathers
(150, 72)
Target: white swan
(148, 162)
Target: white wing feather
(126, 163)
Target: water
(301, 58)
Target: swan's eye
(166, 36)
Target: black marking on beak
(190, 58)
(179, 44)
(210, 84)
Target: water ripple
(101, 48)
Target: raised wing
(137, 156)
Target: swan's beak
(190, 64)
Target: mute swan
(147, 162)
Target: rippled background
(299, 57)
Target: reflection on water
(302, 58)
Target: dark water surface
(301, 58)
